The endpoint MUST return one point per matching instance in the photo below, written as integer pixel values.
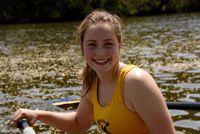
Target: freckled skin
(101, 44)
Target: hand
(30, 115)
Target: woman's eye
(91, 44)
(109, 44)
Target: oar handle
(184, 105)
(24, 125)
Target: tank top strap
(120, 82)
(94, 90)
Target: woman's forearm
(63, 121)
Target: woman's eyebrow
(91, 40)
(96, 41)
(108, 40)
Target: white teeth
(100, 61)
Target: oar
(24, 125)
(171, 105)
(64, 103)
(184, 105)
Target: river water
(41, 62)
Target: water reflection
(41, 62)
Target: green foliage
(15, 11)
(169, 6)
(139, 7)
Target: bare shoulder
(138, 77)
(137, 73)
(141, 90)
(139, 83)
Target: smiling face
(101, 47)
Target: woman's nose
(100, 51)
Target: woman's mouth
(101, 61)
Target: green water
(41, 62)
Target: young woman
(120, 98)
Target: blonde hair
(93, 18)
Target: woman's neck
(110, 76)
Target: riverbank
(36, 11)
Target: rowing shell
(66, 102)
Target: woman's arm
(79, 121)
(148, 102)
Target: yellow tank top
(115, 118)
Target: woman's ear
(120, 44)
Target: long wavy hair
(95, 17)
